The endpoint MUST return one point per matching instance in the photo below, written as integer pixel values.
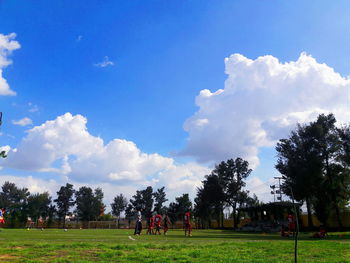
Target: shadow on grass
(248, 236)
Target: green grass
(19, 245)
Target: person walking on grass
(166, 222)
(150, 230)
(138, 225)
(157, 221)
(187, 224)
(2, 218)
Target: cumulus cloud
(7, 45)
(23, 122)
(65, 147)
(105, 63)
(261, 102)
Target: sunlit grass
(205, 246)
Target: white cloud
(105, 63)
(39, 185)
(65, 147)
(33, 107)
(262, 101)
(7, 45)
(23, 122)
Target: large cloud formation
(7, 45)
(262, 101)
(65, 147)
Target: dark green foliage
(64, 201)
(160, 199)
(14, 200)
(39, 205)
(231, 175)
(314, 161)
(210, 200)
(89, 204)
(118, 206)
(178, 208)
(143, 201)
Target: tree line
(314, 161)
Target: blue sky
(164, 53)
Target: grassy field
(19, 245)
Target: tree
(118, 206)
(314, 161)
(143, 201)
(39, 205)
(210, 199)
(98, 206)
(86, 204)
(14, 200)
(232, 174)
(129, 213)
(160, 199)
(64, 202)
(178, 208)
(336, 173)
(300, 163)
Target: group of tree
(315, 164)
(149, 202)
(20, 204)
(85, 204)
(224, 187)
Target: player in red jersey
(2, 218)
(166, 222)
(150, 230)
(157, 221)
(291, 224)
(187, 223)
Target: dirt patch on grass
(7, 256)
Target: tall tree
(64, 202)
(118, 206)
(314, 163)
(14, 200)
(129, 213)
(98, 206)
(160, 199)
(336, 174)
(39, 205)
(85, 202)
(143, 201)
(232, 174)
(300, 162)
(178, 208)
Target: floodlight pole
(297, 225)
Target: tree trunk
(337, 212)
(310, 223)
(234, 217)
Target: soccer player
(41, 222)
(138, 226)
(150, 230)
(30, 223)
(166, 222)
(291, 224)
(158, 221)
(187, 223)
(2, 218)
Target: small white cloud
(7, 45)
(105, 63)
(33, 107)
(23, 122)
